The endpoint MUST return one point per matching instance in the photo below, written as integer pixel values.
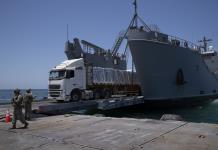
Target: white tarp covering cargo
(112, 76)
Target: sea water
(207, 113)
(7, 94)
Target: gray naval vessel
(171, 70)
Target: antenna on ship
(67, 33)
(205, 42)
(136, 14)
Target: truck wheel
(97, 94)
(75, 96)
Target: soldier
(17, 105)
(28, 99)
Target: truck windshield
(57, 75)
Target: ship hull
(180, 102)
(157, 66)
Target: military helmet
(28, 90)
(17, 91)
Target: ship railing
(183, 43)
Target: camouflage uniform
(28, 99)
(17, 113)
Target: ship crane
(133, 24)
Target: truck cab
(67, 80)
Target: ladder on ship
(123, 34)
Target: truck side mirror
(69, 74)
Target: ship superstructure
(94, 55)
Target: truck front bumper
(58, 95)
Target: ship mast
(136, 14)
(205, 42)
(133, 24)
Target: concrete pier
(75, 132)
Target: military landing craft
(172, 70)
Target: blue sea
(207, 113)
(6, 95)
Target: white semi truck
(73, 80)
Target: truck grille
(54, 86)
(54, 93)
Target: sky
(33, 32)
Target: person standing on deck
(28, 99)
(17, 109)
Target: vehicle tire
(75, 96)
(97, 94)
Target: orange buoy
(7, 117)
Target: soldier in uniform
(28, 99)
(17, 113)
